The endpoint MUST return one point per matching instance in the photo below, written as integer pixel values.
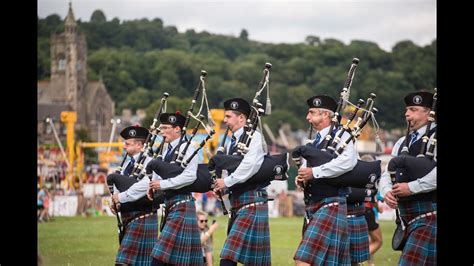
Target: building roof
(51, 110)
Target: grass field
(94, 241)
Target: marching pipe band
(332, 146)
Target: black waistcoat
(413, 151)
(318, 189)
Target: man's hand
(149, 194)
(112, 207)
(401, 190)
(299, 182)
(115, 203)
(391, 201)
(219, 185)
(305, 174)
(155, 185)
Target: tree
(313, 40)
(244, 35)
(98, 16)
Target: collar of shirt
(421, 131)
(238, 133)
(324, 132)
(174, 143)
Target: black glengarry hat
(237, 104)
(134, 132)
(322, 101)
(174, 119)
(419, 98)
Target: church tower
(68, 66)
(68, 88)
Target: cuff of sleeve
(164, 184)
(316, 172)
(414, 186)
(384, 191)
(228, 181)
(122, 197)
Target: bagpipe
(178, 162)
(364, 173)
(274, 167)
(406, 167)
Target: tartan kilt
(326, 238)
(358, 233)
(179, 243)
(248, 241)
(420, 248)
(137, 243)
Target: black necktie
(169, 153)
(233, 145)
(129, 168)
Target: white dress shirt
(251, 162)
(187, 177)
(137, 190)
(423, 184)
(343, 163)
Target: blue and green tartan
(326, 238)
(139, 239)
(179, 243)
(248, 241)
(420, 248)
(358, 233)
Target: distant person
(371, 212)
(206, 236)
(40, 202)
(44, 215)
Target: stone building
(68, 88)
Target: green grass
(94, 241)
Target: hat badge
(417, 99)
(317, 102)
(172, 119)
(234, 105)
(132, 133)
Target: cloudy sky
(384, 22)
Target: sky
(384, 22)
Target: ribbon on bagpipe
(178, 156)
(274, 167)
(412, 167)
(178, 163)
(364, 173)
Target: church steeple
(70, 22)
